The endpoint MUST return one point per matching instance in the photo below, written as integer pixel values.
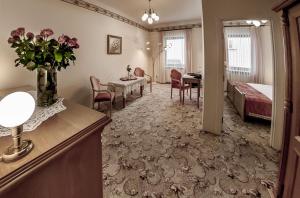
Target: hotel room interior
(149, 98)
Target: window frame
(235, 68)
(179, 37)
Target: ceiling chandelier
(150, 16)
(256, 23)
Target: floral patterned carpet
(155, 148)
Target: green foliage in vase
(42, 51)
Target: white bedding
(267, 90)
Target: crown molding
(176, 27)
(103, 11)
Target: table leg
(183, 96)
(198, 97)
(124, 99)
(190, 91)
(141, 90)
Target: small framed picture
(114, 44)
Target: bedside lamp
(15, 110)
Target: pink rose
(47, 32)
(16, 38)
(61, 39)
(67, 38)
(15, 33)
(21, 31)
(72, 43)
(11, 40)
(38, 38)
(30, 35)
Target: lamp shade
(249, 22)
(145, 16)
(150, 20)
(264, 21)
(15, 109)
(256, 23)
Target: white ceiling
(169, 11)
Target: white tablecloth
(125, 87)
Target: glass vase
(46, 87)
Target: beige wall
(197, 50)
(214, 12)
(267, 54)
(91, 30)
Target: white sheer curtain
(257, 70)
(243, 54)
(177, 54)
(238, 54)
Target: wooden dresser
(66, 161)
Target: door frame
(275, 68)
(283, 8)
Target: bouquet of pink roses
(42, 51)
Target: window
(239, 52)
(175, 53)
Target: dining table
(192, 79)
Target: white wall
(91, 30)
(214, 12)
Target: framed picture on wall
(114, 44)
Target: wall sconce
(15, 110)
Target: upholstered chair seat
(101, 95)
(104, 96)
(139, 72)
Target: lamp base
(13, 154)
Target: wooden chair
(139, 72)
(101, 95)
(176, 82)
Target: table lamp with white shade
(15, 110)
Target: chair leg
(171, 92)
(151, 86)
(110, 109)
(190, 91)
(180, 95)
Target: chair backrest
(95, 82)
(176, 75)
(139, 72)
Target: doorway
(249, 87)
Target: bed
(251, 100)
